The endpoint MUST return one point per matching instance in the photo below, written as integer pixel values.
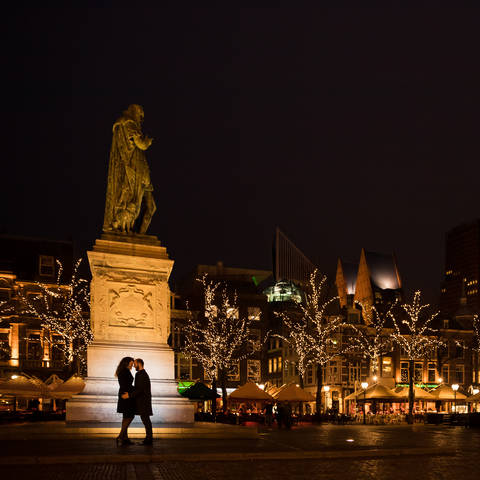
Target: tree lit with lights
(313, 333)
(373, 341)
(414, 335)
(61, 310)
(218, 338)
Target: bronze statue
(128, 175)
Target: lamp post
(364, 386)
(455, 388)
(326, 389)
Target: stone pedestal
(130, 316)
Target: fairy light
(60, 309)
(312, 333)
(219, 338)
(417, 340)
(373, 341)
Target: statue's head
(135, 112)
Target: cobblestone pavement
(464, 465)
(410, 468)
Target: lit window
(254, 314)
(387, 366)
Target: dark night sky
(347, 128)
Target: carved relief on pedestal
(130, 276)
(130, 306)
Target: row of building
(375, 279)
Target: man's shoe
(148, 441)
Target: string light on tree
(374, 341)
(61, 310)
(219, 338)
(312, 332)
(414, 335)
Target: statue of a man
(128, 175)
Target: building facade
(462, 268)
(25, 346)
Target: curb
(224, 457)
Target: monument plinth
(130, 316)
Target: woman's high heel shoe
(118, 441)
(127, 441)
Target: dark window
(46, 266)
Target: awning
(249, 391)
(420, 393)
(292, 393)
(474, 398)
(23, 386)
(374, 392)
(446, 392)
(67, 389)
(199, 391)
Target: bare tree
(219, 338)
(312, 332)
(373, 340)
(476, 347)
(414, 335)
(62, 311)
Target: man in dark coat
(142, 396)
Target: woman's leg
(124, 431)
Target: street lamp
(455, 388)
(364, 386)
(326, 389)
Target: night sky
(346, 128)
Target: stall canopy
(72, 386)
(249, 391)
(474, 398)
(374, 392)
(23, 386)
(199, 391)
(420, 393)
(292, 393)
(53, 381)
(445, 392)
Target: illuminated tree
(4, 347)
(62, 311)
(373, 341)
(476, 346)
(313, 333)
(218, 338)
(300, 340)
(414, 335)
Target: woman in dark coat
(125, 405)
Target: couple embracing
(134, 399)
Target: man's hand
(125, 395)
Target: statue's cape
(128, 173)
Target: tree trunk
(223, 385)
(411, 392)
(318, 399)
(300, 406)
(214, 398)
(476, 366)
